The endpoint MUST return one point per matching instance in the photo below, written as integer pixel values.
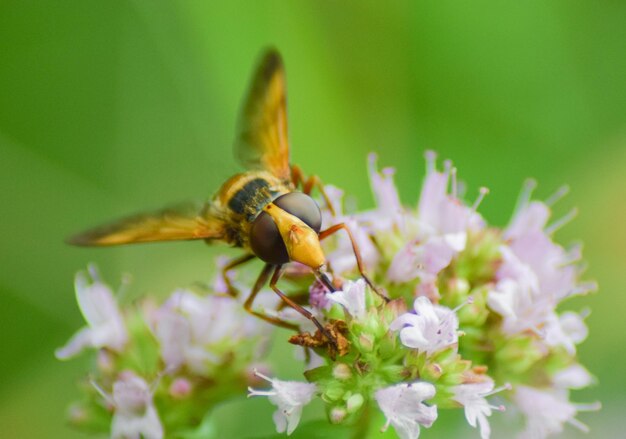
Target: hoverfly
(259, 210)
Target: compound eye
(302, 206)
(266, 242)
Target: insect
(259, 210)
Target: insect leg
(229, 266)
(308, 184)
(262, 279)
(299, 308)
(357, 254)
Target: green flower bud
(333, 392)
(516, 356)
(354, 403)
(342, 372)
(337, 415)
(366, 342)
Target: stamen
(461, 188)
(159, 377)
(560, 193)
(574, 253)
(499, 408)
(372, 168)
(254, 392)
(108, 398)
(454, 184)
(468, 301)
(431, 161)
(93, 272)
(524, 197)
(255, 372)
(579, 425)
(506, 386)
(561, 222)
(589, 407)
(386, 426)
(388, 171)
(122, 291)
(372, 158)
(584, 288)
(483, 191)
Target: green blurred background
(108, 107)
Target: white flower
(531, 217)
(430, 329)
(442, 214)
(572, 377)
(567, 330)
(289, 397)
(135, 415)
(352, 298)
(518, 297)
(105, 325)
(472, 397)
(402, 405)
(420, 260)
(389, 211)
(547, 410)
(188, 326)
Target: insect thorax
(242, 197)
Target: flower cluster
(462, 311)
(160, 369)
(473, 311)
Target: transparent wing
(262, 141)
(181, 222)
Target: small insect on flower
(259, 210)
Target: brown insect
(258, 210)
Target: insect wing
(182, 222)
(262, 142)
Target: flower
(403, 406)
(442, 214)
(389, 211)
(352, 298)
(105, 325)
(572, 377)
(190, 327)
(420, 260)
(431, 328)
(547, 410)
(472, 397)
(567, 329)
(135, 415)
(289, 397)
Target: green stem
(363, 425)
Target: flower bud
(366, 342)
(334, 392)
(337, 415)
(518, 355)
(432, 372)
(354, 403)
(342, 372)
(180, 388)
